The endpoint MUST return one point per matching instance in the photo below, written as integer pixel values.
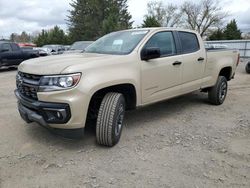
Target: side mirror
(150, 53)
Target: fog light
(51, 116)
(55, 115)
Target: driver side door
(6, 55)
(161, 77)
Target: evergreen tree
(42, 38)
(116, 16)
(150, 21)
(231, 31)
(217, 35)
(56, 36)
(53, 36)
(90, 19)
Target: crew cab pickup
(11, 55)
(118, 72)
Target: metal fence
(242, 45)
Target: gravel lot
(183, 142)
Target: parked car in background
(43, 51)
(29, 49)
(78, 47)
(26, 45)
(67, 47)
(248, 67)
(11, 55)
(55, 49)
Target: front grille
(27, 85)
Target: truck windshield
(120, 43)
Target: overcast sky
(33, 15)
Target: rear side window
(164, 41)
(7, 47)
(189, 42)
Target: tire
(218, 92)
(248, 67)
(110, 119)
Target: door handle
(201, 59)
(177, 63)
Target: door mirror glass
(150, 53)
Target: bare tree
(23, 37)
(156, 9)
(201, 16)
(167, 15)
(173, 16)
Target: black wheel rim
(223, 91)
(119, 122)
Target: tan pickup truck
(120, 71)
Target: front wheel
(218, 92)
(110, 119)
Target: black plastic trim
(39, 107)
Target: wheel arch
(127, 89)
(226, 72)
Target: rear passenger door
(193, 59)
(17, 53)
(161, 77)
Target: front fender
(93, 82)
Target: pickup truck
(121, 71)
(11, 55)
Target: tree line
(206, 17)
(91, 19)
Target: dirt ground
(183, 142)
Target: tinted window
(164, 41)
(189, 42)
(15, 47)
(7, 47)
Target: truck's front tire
(110, 119)
(218, 92)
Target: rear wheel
(248, 68)
(218, 92)
(110, 119)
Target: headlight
(59, 82)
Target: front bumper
(43, 113)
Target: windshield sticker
(118, 42)
(139, 32)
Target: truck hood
(58, 63)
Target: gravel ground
(183, 142)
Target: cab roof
(161, 28)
